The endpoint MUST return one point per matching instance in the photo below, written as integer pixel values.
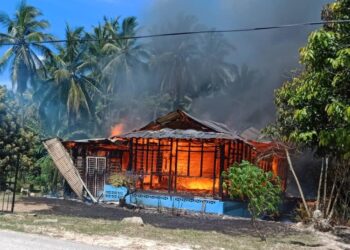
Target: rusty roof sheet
(169, 120)
(180, 134)
(216, 126)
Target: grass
(56, 225)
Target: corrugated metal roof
(181, 120)
(98, 140)
(216, 126)
(180, 134)
(253, 134)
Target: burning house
(177, 155)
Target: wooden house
(175, 154)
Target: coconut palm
(216, 73)
(24, 32)
(118, 64)
(69, 89)
(175, 61)
(123, 57)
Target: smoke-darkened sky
(271, 54)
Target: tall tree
(123, 57)
(187, 67)
(175, 61)
(24, 32)
(17, 143)
(118, 62)
(314, 107)
(69, 88)
(217, 72)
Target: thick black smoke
(271, 55)
(265, 59)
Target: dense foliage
(313, 109)
(26, 31)
(79, 89)
(250, 183)
(17, 144)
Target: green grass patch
(202, 239)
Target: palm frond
(6, 58)
(5, 19)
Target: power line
(284, 26)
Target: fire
(117, 129)
(198, 183)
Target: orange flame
(117, 129)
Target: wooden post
(136, 153)
(240, 151)
(171, 153)
(15, 185)
(214, 170)
(130, 154)
(147, 150)
(234, 157)
(229, 154)
(201, 163)
(222, 165)
(189, 158)
(152, 160)
(250, 153)
(176, 156)
(142, 155)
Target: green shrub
(261, 190)
(250, 183)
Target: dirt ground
(228, 225)
(101, 225)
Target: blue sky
(77, 13)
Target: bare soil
(226, 225)
(101, 225)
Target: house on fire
(175, 155)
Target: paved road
(22, 241)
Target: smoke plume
(263, 58)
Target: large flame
(117, 129)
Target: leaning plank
(65, 165)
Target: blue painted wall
(233, 208)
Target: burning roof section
(181, 125)
(264, 145)
(98, 143)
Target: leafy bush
(260, 189)
(250, 183)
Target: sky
(253, 48)
(77, 13)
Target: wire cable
(284, 26)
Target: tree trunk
(336, 198)
(297, 182)
(319, 186)
(330, 197)
(325, 188)
(255, 225)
